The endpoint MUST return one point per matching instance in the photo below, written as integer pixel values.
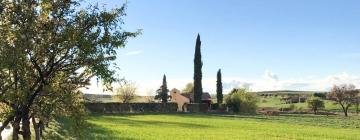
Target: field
(275, 102)
(219, 127)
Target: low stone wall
(113, 108)
(197, 107)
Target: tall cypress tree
(197, 71)
(219, 88)
(162, 93)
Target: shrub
(315, 103)
(320, 95)
(292, 107)
(240, 101)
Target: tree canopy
(50, 49)
(344, 95)
(162, 92)
(189, 88)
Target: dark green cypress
(162, 93)
(219, 88)
(197, 72)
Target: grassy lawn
(207, 127)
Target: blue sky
(261, 45)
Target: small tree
(150, 96)
(189, 88)
(126, 92)
(344, 96)
(315, 103)
(162, 92)
(320, 95)
(240, 101)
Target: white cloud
(134, 53)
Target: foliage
(315, 103)
(344, 95)
(150, 98)
(320, 95)
(198, 90)
(219, 88)
(187, 126)
(126, 92)
(49, 50)
(162, 92)
(292, 106)
(189, 88)
(240, 101)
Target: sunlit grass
(208, 127)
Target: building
(206, 98)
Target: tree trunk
(26, 128)
(26, 133)
(16, 128)
(41, 127)
(36, 128)
(344, 110)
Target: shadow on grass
(66, 130)
(98, 132)
(126, 120)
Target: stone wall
(194, 107)
(113, 108)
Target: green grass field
(219, 127)
(276, 103)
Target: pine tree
(197, 72)
(162, 93)
(219, 88)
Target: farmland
(211, 126)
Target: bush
(320, 95)
(292, 107)
(315, 103)
(240, 101)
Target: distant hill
(287, 92)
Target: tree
(343, 95)
(320, 95)
(219, 88)
(162, 93)
(150, 96)
(126, 92)
(65, 101)
(198, 91)
(45, 45)
(241, 101)
(189, 88)
(314, 103)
